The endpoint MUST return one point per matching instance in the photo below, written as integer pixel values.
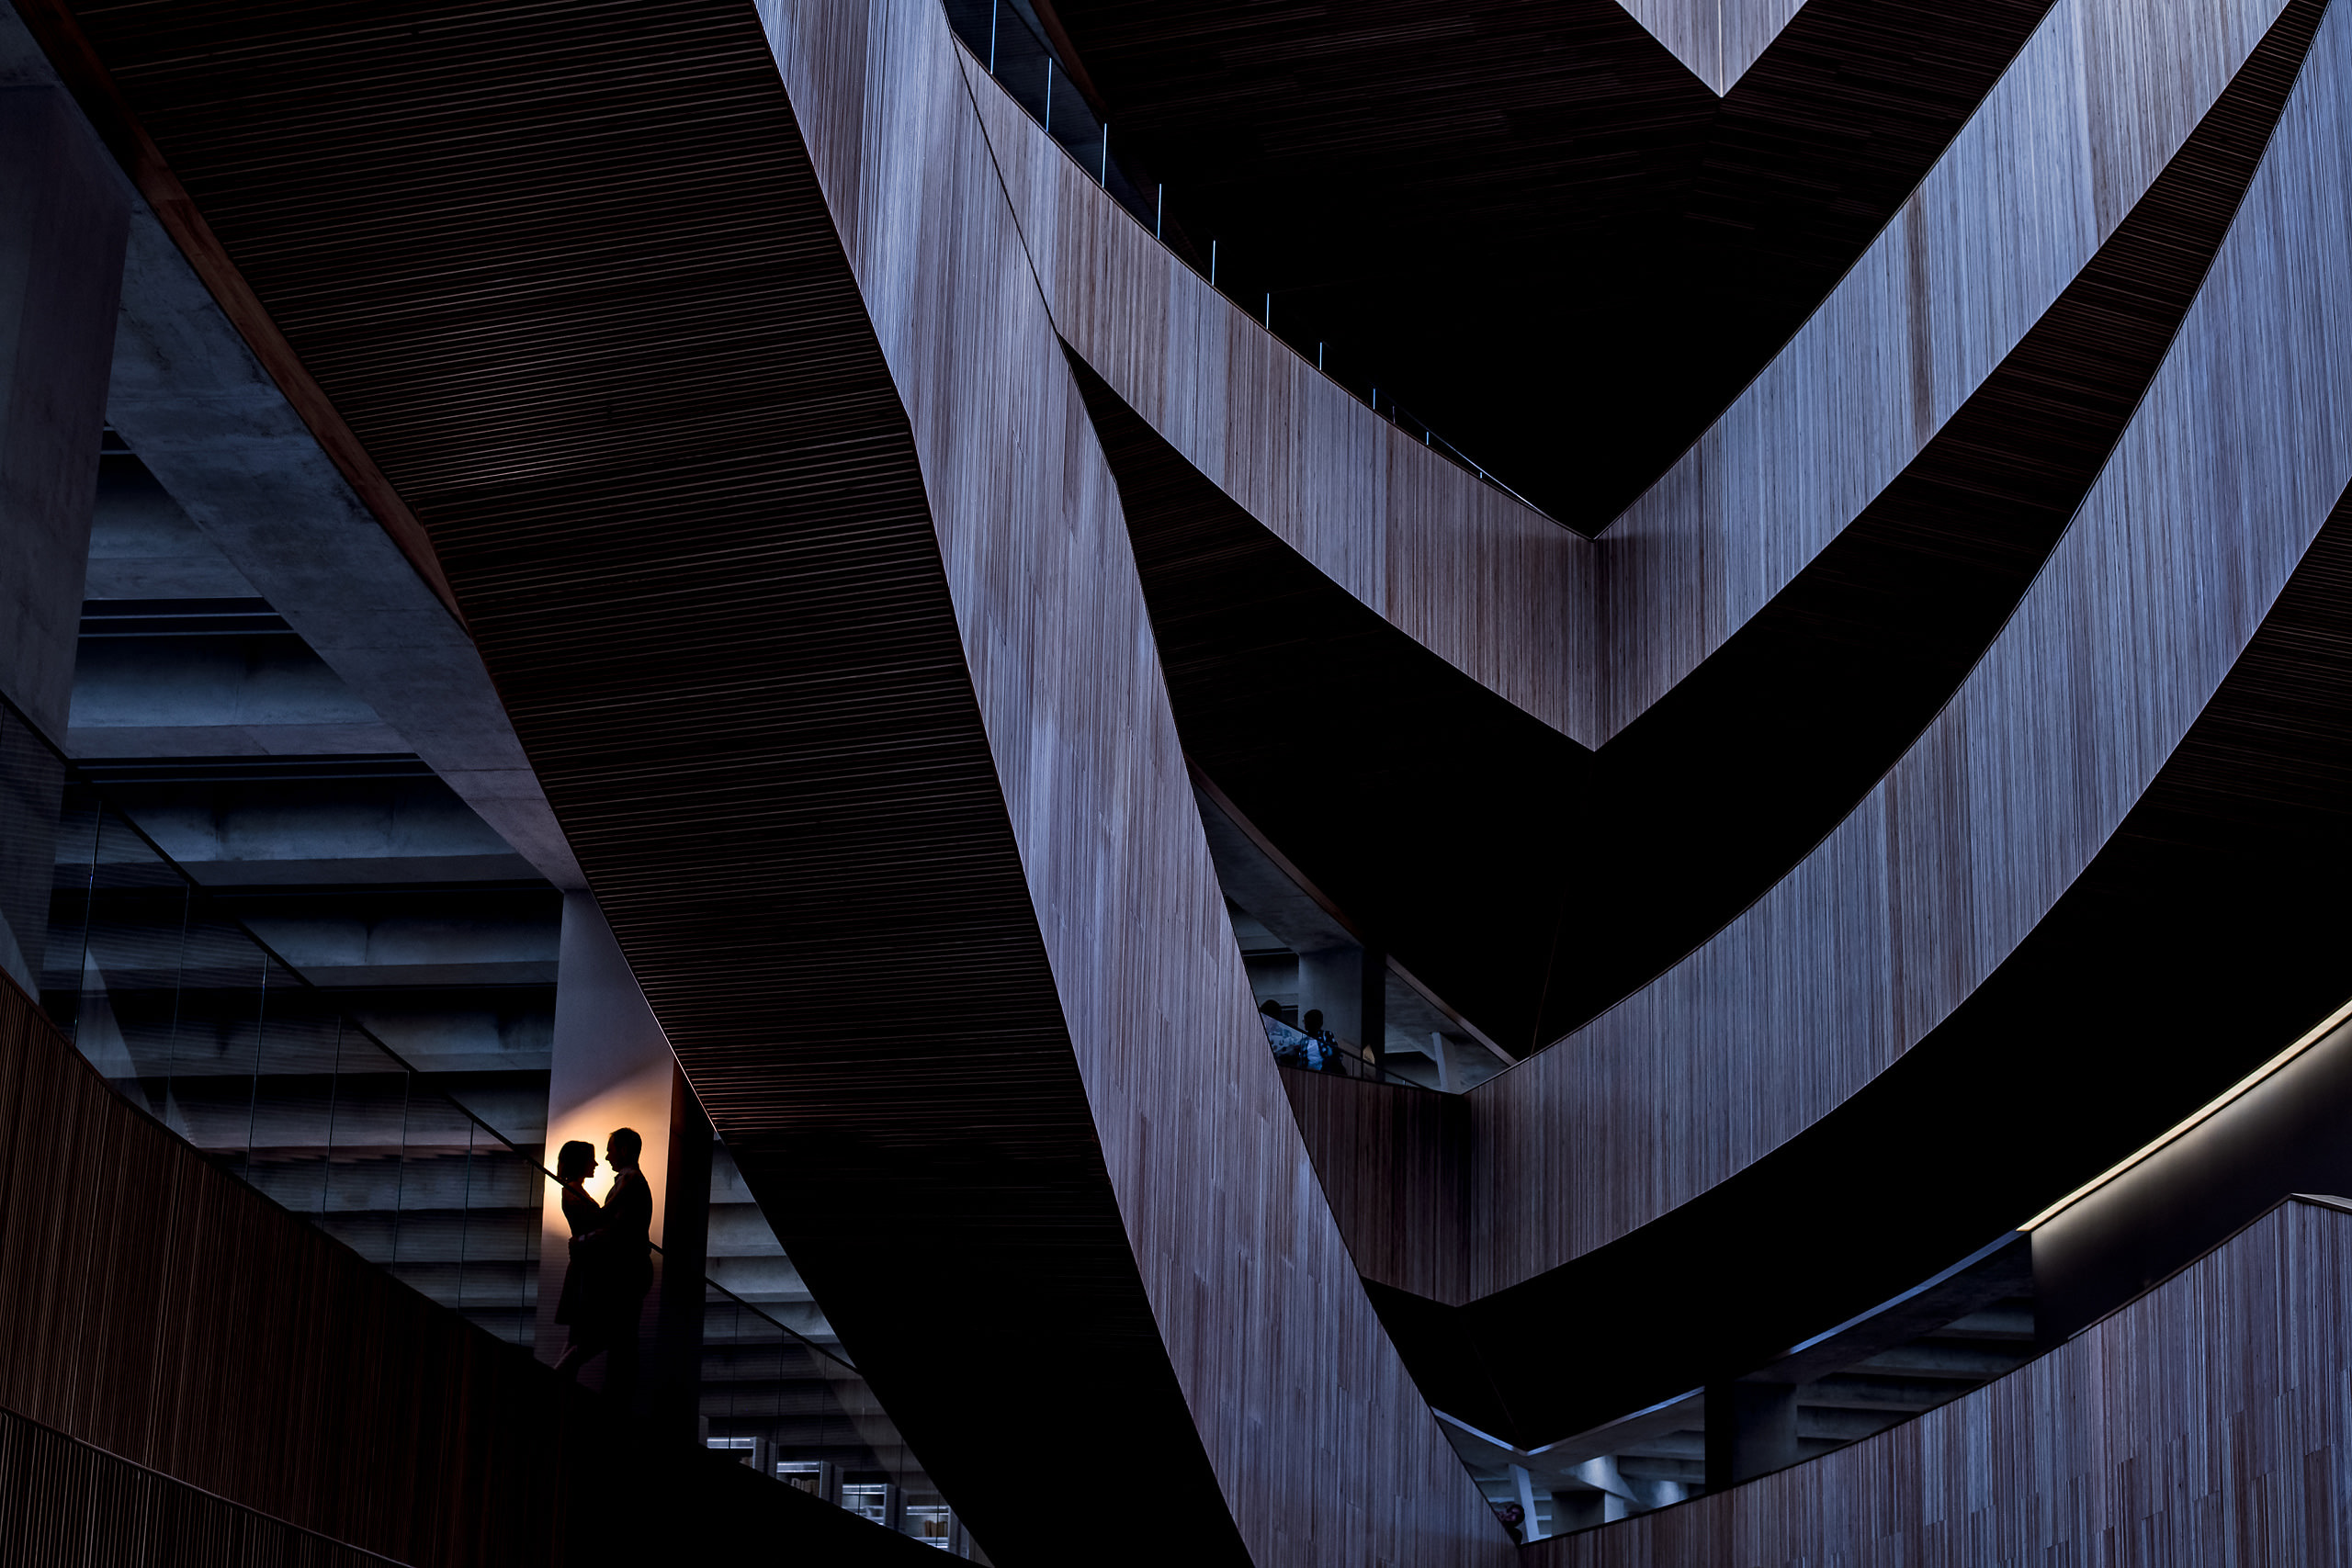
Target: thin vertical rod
(992, 10)
(1160, 211)
(1212, 263)
(1104, 179)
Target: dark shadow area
(1450, 826)
(201, 1357)
(2284, 1135)
(2188, 952)
(1713, 793)
(1525, 218)
(1535, 884)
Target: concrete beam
(216, 697)
(190, 398)
(412, 951)
(63, 210)
(314, 832)
(143, 545)
(442, 1040)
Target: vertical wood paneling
(1586, 638)
(1693, 31)
(1750, 27)
(1952, 859)
(1323, 1451)
(184, 1326)
(2205, 1425)
(1487, 584)
(1718, 40)
(70, 1505)
(2094, 106)
(1404, 1198)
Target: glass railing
(1327, 1000)
(1949, 1335)
(196, 1020)
(1006, 37)
(793, 1409)
(193, 1019)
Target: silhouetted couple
(611, 1267)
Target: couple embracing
(611, 1265)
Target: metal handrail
(985, 53)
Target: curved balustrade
(1005, 37)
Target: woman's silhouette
(583, 1307)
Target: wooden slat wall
(1885, 926)
(1748, 28)
(1586, 639)
(1953, 858)
(1490, 586)
(1396, 1172)
(1718, 40)
(1692, 30)
(161, 1310)
(2205, 1425)
(1325, 1452)
(2094, 108)
(1574, 267)
(67, 1503)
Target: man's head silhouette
(623, 1148)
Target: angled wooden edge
(2223, 1379)
(59, 33)
(1693, 559)
(1961, 852)
(1716, 39)
(1460, 564)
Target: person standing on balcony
(1289, 1044)
(576, 1308)
(1321, 1051)
(627, 1240)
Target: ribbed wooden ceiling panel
(566, 271)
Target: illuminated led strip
(2228, 1097)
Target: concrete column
(612, 1068)
(1751, 1431)
(64, 212)
(677, 1384)
(1530, 1531)
(1330, 981)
